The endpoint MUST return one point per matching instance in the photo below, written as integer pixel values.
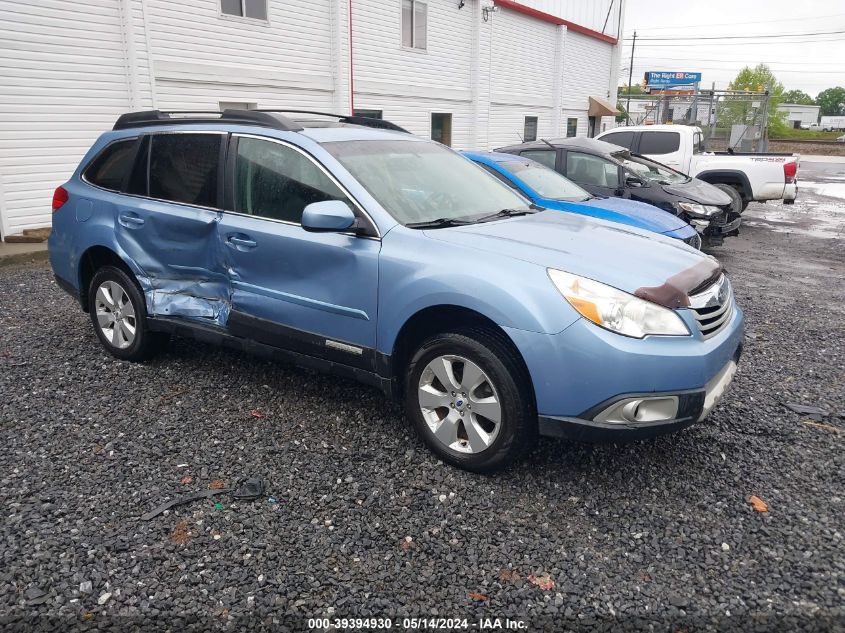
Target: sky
(807, 62)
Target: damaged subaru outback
(347, 245)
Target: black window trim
(372, 230)
(84, 173)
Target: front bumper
(582, 372)
(692, 406)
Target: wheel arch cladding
(728, 177)
(92, 260)
(436, 319)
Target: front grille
(713, 308)
(694, 241)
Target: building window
(441, 128)
(370, 114)
(530, 128)
(414, 24)
(256, 9)
(571, 127)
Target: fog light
(640, 410)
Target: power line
(738, 37)
(836, 39)
(706, 26)
(735, 61)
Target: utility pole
(630, 76)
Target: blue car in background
(547, 188)
(393, 260)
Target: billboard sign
(663, 79)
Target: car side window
(184, 168)
(623, 139)
(659, 142)
(587, 169)
(544, 156)
(277, 182)
(109, 169)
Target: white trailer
(830, 123)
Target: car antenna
(547, 143)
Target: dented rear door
(169, 225)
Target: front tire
(469, 398)
(737, 205)
(119, 316)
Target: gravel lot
(368, 523)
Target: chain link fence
(730, 119)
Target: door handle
(130, 220)
(241, 242)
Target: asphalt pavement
(360, 520)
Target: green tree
(742, 110)
(832, 101)
(797, 96)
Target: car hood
(637, 214)
(627, 258)
(699, 191)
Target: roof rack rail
(263, 118)
(380, 124)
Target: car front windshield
(546, 182)
(419, 182)
(648, 169)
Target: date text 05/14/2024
(422, 624)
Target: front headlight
(615, 310)
(699, 210)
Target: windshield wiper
(437, 223)
(505, 213)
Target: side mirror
(633, 181)
(328, 216)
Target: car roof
(591, 145)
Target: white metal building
(798, 115)
(470, 73)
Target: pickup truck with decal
(743, 176)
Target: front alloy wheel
(470, 399)
(459, 403)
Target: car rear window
(184, 168)
(659, 142)
(109, 168)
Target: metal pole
(714, 104)
(630, 76)
(763, 145)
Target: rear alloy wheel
(117, 310)
(469, 398)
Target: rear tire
(736, 197)
(119, 315)
(484, 418)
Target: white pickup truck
(743, 176)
